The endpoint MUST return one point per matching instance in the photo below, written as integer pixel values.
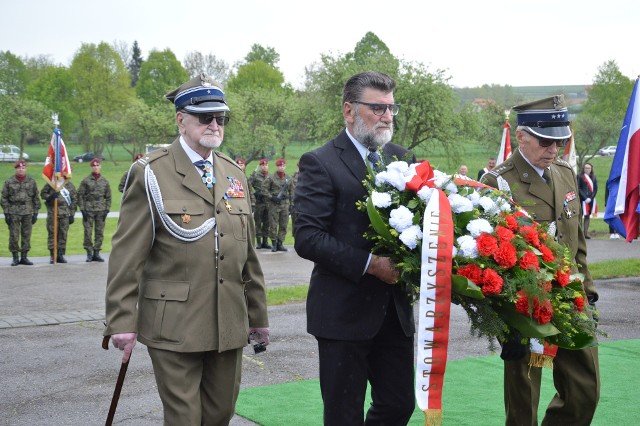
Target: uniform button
(162, 294)
(217, 211)
(560, 235)
(184, 209)
(221, 280)
(222, 257)
(222, 234)
(240, 209)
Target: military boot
(274, 247)
(24, 260)
(265, 243)
(51, 258)
(258, 243)
(281, 247)
(96, 256)
(89, 256)
(61, 258)
(16, 260)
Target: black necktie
(207, 168)
(376, 162)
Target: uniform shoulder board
(226, 158)
(561, 162)
(501, 169)
(152, 156)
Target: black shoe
(265, 243)
(89, 256)
(258, 243)
(587, 237)
(274, 247)
(16, 259)
(96, 257)
(51, 258)
(281, 247)
(24, 260)
(61, 258)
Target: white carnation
(425, 193)
(411, 236)
(380, 199)
(440, 178)
(398, 167)
(467, 246)
(401, 218)
(460, 204)
(474, 197)
(392, 177)
(479, 226)
(489, 205)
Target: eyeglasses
(380, 109)
(546, 142)
(208, 118)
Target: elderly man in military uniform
(279, 190)
(546, 187)
(94, 201)
(67, 197)
(261, 210)
(20, 204)
(184, 277)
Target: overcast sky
(515, 42)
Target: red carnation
(542, 312)
(506, 255)
(472, 272)
(529, 260)
(579, 302)
(547, 254)
(512, 223)
(487, 244)
(531, 235)
(491, 282)
(504, 234)
(522, 304)
(546, 287)
(562, 278)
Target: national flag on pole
(622, 209)
(505, 144)
(56, 166)
(569, 154)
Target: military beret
(198, 95)
(20, 163)
(264, 162)
(545, 118)
(281, 162)
(95, 162)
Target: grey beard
(369, 137)
(208, 143)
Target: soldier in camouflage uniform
(94, 201)
(277, 187)
(67, 202)
(261, 210)
(20, 204)
(123, 179)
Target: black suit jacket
(342, 303)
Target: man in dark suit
(362, 320)
(184, 278)
(546, 187)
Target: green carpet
(472, 393)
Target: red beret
(264, 162)
(239, 160)
(95, 162)
(20, 163)
(281, 162)
(137, 157)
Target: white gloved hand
(125, 342)
(588, 200)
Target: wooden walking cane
(119, 382)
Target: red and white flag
(56, 166)
(569, 154)
(505, 144)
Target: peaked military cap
(545, 118)
(198, 95)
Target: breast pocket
(164, 310)
(239, 215)
(188, 214)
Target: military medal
(226, 203)
(208, 178)
(186, 218)
(569, 197)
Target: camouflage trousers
(261, 219)
(20, 231)
(278, 221)
(93, 221)
(63, 229)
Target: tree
(102, 89)
(145, 124)
(123, 49)
(264, 54)
(196, 63)
(22, 119)
(13, 74)
(256, 75)
(135, 63)
(54, 88)
(159, 74)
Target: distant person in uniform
(20, 204)
(490, 165)
(277, 188)
(546, 187)
(94, 201)
(67, 198)
(243, 166)
(184, 278)
(588, 187)
(261, 211)
(123, 179)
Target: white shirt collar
(363, 150)
(194, 156)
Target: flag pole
(54, 116)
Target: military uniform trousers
(63, 229)
(261, 219)
(577, 380)
(187, 382)
(278, 220)
(93, 221)
(20, 233)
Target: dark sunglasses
(208, 118)
(546, 142)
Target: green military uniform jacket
(94, 195)
(561, 206)
(64, 209)
(178, 295)
(273, 186)
(20, 198)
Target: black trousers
(385, 361)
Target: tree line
(110, 95)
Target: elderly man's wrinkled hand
(383, 269)
(125, 342)
(259, 335)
